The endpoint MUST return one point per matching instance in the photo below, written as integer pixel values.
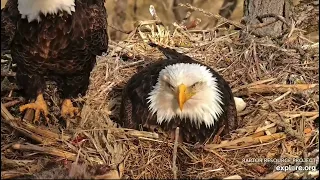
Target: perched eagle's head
(187, 91)
(31, 9)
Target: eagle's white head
(187, 91)
(31, 9)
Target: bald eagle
(54, 40)
(178, 92)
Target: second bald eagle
(178, 92)
(55, 40)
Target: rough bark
(254, 8)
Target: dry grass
(281, 122)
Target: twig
(29, 115)
(264, 106)
(136, 133)
(12, 103)
(185, 33)
(256, 59)
(6, 114)
(175, 149)
(11, 174)
(188, 153)
(146, 22)
(15, 163)
(261, 129)
(238, 25)
(286, 126)
(154, 140)
(296, 113)
(247, 141)
(234, 177)
(185, 19)
(216, 137)
(222, 160)
(132, 64)
(235, 148)
(276, 16)
(153, 13)
(256, 26)
(122, 31)
(312, 118)
(46, 150)
(132, 132)
(10, 120)
(234, 90)
(44, 132)
(112, 43)
(272, 88)
(189, 6)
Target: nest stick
(285, 125)
(264, 106)
(5, 113)
(28, 129)
(145, 134)
(276, 16)
(247, 141)
(10, 120)
(234, 177)
(216, 137)
(43, 132)
(12, 103)
(29, 115)
(46, 150)
(265, 127)
(234, 90)
(30, 134)
(174, 158)
(257, 134)
(222, 160)
(11, 174)
(296, 113)
(272, 88)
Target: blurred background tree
(124, 13)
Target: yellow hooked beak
(183, 95)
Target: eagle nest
(278, 127)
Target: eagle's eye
(170, 86)
(197, 85)
(194, 85)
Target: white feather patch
(31, 9)
(203, 107)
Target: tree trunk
(227, 8)
(254, 8)
(179, 12)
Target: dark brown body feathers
(60, 47)
(134, 112)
